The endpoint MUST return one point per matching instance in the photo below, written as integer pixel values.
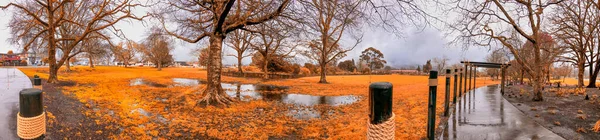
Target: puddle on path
(247, 92)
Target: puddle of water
(141, 81)
(141, 111)
(248, 92)
(185, 82)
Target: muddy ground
(564, 111)
(66, 118)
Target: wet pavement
(11, 82)
(483, 114)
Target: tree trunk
(537, 75)
(126, 63)
(537, 87)
(52, 78)
(240, 70)
(214, 94)
(548, 74)
(68, 69)
(91, 61)
(323, 74)
(522, 75)
(593, 77)
(580, 71)
(265, 68)
(159, 66)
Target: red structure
(10, 59)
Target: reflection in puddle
(248, 92)
(141, 81)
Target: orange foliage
(108, 88)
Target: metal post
(380, 106)
(475, 77)
(431, 106)
(447, 99)
(31, 106)
(503, 78)
(460, 83)
(470, 76)
(455, 76)
(466, 72)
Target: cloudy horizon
(414, 48)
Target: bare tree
(94, 49)
(125, 52)
(483, 23)
(330, 19)
(576, 23)
(156, 48)
(273, 40)
(563, 71)
(497, 56)
(240, 42)
(440, 63)
(196, 20)
(47, 18)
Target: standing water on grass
(248, 92)
(301, 102)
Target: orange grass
(108, 88)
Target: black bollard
(447, 99)
(30, 105)
(431, 105)
(455, 76)
(380, 102)
(37, 81)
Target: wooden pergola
(468, 71)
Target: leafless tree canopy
(156, 48)
(64, 24)
(125, 52)
(196, 20)
(487, 22)
(239, 41)
(576, 24)
(330, 20)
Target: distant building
(13, 59)
(411, 72)
(181, 64)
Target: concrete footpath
(483, 114)
(12, 81)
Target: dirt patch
(563, 111)
(66, 118)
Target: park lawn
(107, 91)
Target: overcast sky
(414, 48)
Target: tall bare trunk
(265, 68)
(159, 66)
(52, 78)
(580, 71)
(68, 65)
(590, 72)
(214, 94)
(537, 75)
(239, 59)
(323, 74)
(593, 76)
(522, 75)
(91, 61)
